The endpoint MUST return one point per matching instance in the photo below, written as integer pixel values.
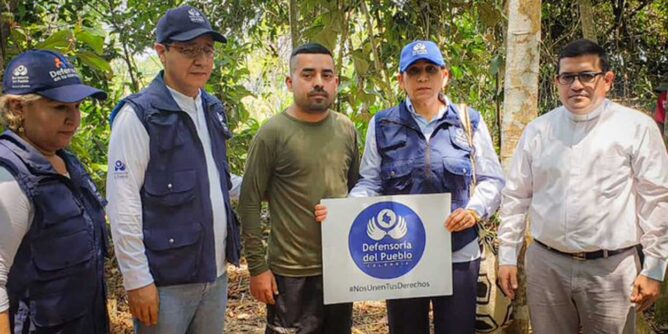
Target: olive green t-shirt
(294, 164)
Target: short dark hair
(583, 47)
(309, 48)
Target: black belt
(603, 253)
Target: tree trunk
(378, 65)
(520, 107)
(7, 8)
(294, 24)
(587, 20)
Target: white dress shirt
(129, 143)
(589, 182)
(485, 198)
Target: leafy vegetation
(110, 42)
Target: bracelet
(475, 214)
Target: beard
(317, 101)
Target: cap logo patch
(419, 49)
(195, 16)
(20, 71)
(59, 63)
(20, 78)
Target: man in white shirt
(591, 175)
(169, 187)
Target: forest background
(110, 42)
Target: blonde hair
(10, 118)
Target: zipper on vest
(427, 165)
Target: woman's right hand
(320, 213)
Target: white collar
(588, 116)
(185, 102)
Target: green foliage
(110, 40)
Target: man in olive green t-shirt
(302, 155)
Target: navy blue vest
(58, 270)
(176, 206)
(413, 165)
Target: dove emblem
(386, 223)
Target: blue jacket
(412, 164)
(58, 270)
(177, 213)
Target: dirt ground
(245, 315)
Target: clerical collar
(588, 116)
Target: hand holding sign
(320, 213)
(397, 247)
(460, 220)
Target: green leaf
(95, 42)
(59, 41)
(360, 62)
(456, 72)
(94, 61)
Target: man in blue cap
(169, 187)
(423, 142)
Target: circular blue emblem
(387, 240)
(119, 166)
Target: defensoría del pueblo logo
(387, 240)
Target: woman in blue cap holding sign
(52, 222)
(421, 146)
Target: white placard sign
(377, 248)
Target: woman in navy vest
(52, 224)
(420, 147)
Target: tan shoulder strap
(468, 129)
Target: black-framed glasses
(584, 77)
(193, 52)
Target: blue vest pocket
(173, 251)
(65, 280)
(63, 300)
(457, 177)
(397, 178)
(62, 252)
(457, 166)
(170, 189)
(58, 211)
(392, 135)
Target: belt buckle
(580, 256)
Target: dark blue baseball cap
(420, 50)
(48, 74)
(184, 24)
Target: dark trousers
(299, 309)
(453, 314)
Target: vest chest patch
(460, 137)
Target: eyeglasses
(584, 77)
(193, 52)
